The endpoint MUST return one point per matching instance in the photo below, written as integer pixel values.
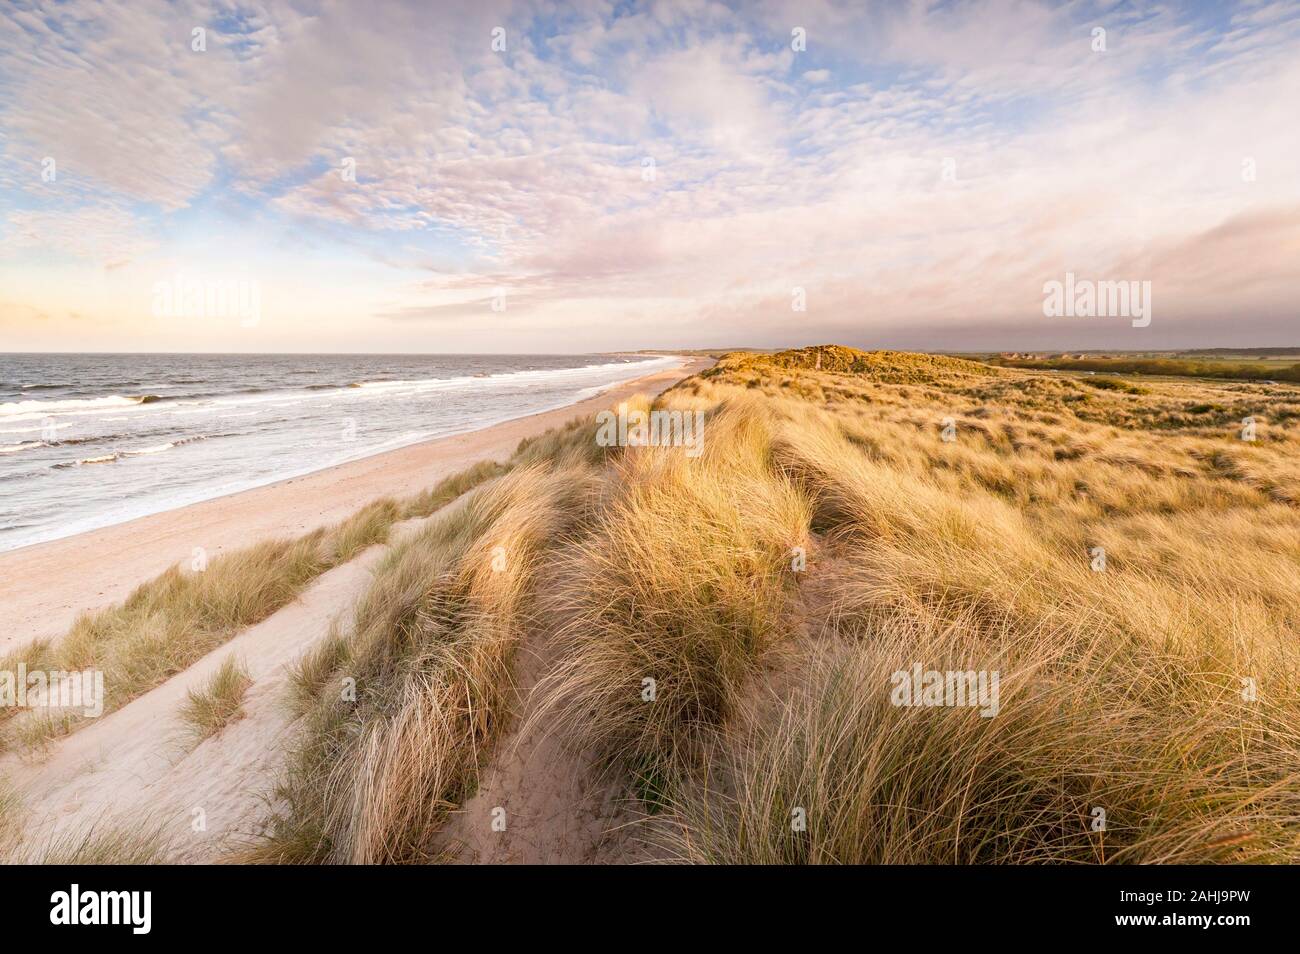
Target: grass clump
(208, 710)
(36, 655)
(310, 673)
(1184, 770)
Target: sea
(90, 440)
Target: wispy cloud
(664, 173)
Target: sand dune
(598, 654)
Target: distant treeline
(1246, 352)
(1171, 366)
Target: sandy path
(44, 586)
(558, 808)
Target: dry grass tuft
(1185, 770)
(310, 673)
(208, 710)
(111, 842)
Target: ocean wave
(104, 459)
(144, 451)
(20, 410)
(500, 377)
(70, 442)
(159, 448)
(37, 408)
(135, 452)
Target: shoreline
(43, 586)
(123, 512)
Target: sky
(484, 176)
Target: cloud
(104, 234)
(678, 166)
(119, 98)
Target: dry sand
(43, 587)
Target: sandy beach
(43, 587)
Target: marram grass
(728, 627)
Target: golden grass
(1184, 768)
(429, 659)
(35, 655)
(891, 366)
(728, 689)
(1124, 689)
(678, 592)
(209, 709)
(953, 516)
(574, 444)
(449, 488)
